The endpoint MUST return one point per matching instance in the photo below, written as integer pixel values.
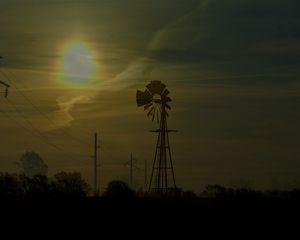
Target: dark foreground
(150, 219)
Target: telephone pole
(4, 84)
(96, 188)
(146, 177)
(6, 88)
(132, 165)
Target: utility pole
(6, 88)
(132, 165)
(4, 84)
(96, 188)
(146, 177)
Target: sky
(232, 68)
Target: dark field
(151, 219)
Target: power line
(18, 123)
(68, 155)
(40, 134)
(39, 111)
(34, 131)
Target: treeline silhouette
(63, 205)
(72, 185)
(63, 184)
(219, 191)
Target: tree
(38, 186)
(189, 194)
(119, 189)
(71, 184)
(215, 190)
(32, 164)
(10, 185)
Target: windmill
(155, 101)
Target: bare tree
(71, 184)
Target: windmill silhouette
(155, 101)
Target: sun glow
(78, 67)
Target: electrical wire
(34, 131)
(18, 123)
(40, 134)
(39, 111)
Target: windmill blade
(157, 112)
(140, 98)
(150, 111)
(147, 106)
(153, 86)
(156, 87)
(143, 98)
(149, 87)
(165, 93)
(157, 117)
(168, 106)
(166, 99)
(153, 115)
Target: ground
(150, 219)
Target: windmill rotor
(154, 99)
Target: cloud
(241, 37)
(231, 38)
(200, 42)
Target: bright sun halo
(78, 65)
